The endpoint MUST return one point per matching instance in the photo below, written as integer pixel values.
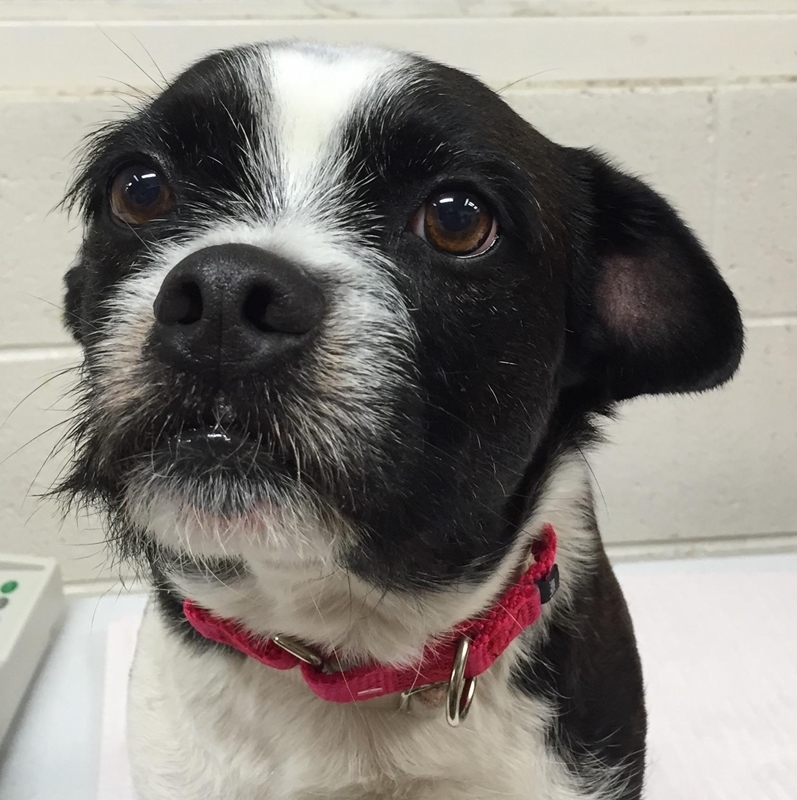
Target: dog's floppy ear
(649, 312)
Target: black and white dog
(348, 324)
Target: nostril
(256, 308)
(180, 306)
(190, 307)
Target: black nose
(234, 309)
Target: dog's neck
(455, 659)
(326, 607)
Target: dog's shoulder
(588, 667)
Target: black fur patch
(589, 669)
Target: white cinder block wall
(699, 97)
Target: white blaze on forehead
(314, 92)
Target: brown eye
(456, 222)
(139, 194)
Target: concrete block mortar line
(774, 321)
(38, 352)
(102, 91)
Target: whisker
(154, 63)
(128, 57)
(52, 377)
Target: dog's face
(346, 303)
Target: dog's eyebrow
(490, 164)
(103, 149)
(422, 154)
(487, 169)
(91, 153)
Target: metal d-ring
(460, 689)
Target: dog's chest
(206, 726)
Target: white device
(31, 607)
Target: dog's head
(346, 303)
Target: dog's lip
(191, 435)
(209, 442)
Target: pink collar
(489, 635)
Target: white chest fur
(207, 727)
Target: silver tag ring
(459, 696)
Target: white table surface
(717, 636)
(52, 751)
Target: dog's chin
(213, 493)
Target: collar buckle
(298, 650)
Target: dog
(350, 325)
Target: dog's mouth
(214, 449)
(223, 482)
(217, 458)
(229, 454)
(212, 446)
(219, 473)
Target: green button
(8, 587)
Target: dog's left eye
(457, 222)
(139, 194)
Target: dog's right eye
(139, 194)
